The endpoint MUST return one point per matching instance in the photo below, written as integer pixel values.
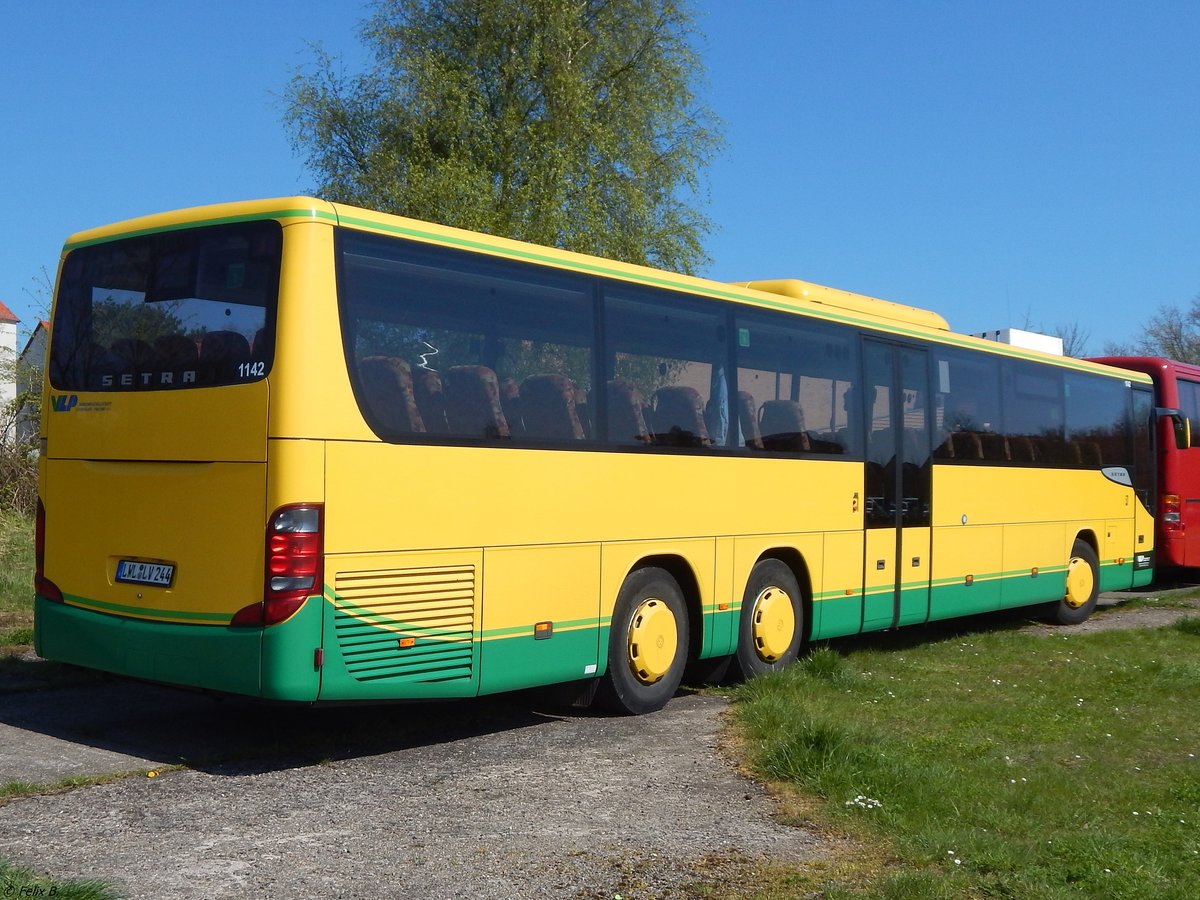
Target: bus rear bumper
(210, 657)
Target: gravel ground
(477, 799)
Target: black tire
(642, 678)
(764, 646)
(1083, 586)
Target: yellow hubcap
(653, 640)
(774, 623)
(1080, 582)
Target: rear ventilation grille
(411, 625)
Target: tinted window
(1098, 421)
(169, 310)
(794, 380)
(1189, 400)
(1144, 423)
(968, 419)
(448, 343)
(666, 373)
(1033, 413)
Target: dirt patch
(1119, 614)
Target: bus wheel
(772, 623)
(1083, 586)
(647, 644)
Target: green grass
(993, 764)
(16, 881)
(16, 583)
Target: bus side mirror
(1181, 425)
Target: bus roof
(806, 293)
(1150, 364)
(793, 295)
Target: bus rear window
(170, 310)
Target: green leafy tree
(573, 123)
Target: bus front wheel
(1083, 586)
(647, 644)
(771, 626)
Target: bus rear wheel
(647, 644)
(771, 627)
(1083, 586)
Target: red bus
(1177, 506)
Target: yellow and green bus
(306, 452)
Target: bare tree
(1074, 336)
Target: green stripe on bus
(319, 215)
(148, 612)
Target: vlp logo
(63, 402)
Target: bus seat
(261, 347)
(549, 407)
(626, 414)
(221, 352)
(132, 354)
(782, 425)
(510, 403)
(431, 400)
(1021, 449)
(473, 402)
(995, 446)
(748, 420)
(176, 352)
(388, 384)
(965, 445)
(224, 347)
(679, 417)
(583, 411)
(1087, 454)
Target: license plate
(131, 571)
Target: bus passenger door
(898, 419)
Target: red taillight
(1172, 521)
(294, 565)
(42, 586)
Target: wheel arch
(795, 561)
(681, 570)
(1088, 537)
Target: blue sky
(1002, 163)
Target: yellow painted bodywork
(500, 539)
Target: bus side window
(672, 351)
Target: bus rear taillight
(294, 570)
(1172, 521)
(42, 586)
